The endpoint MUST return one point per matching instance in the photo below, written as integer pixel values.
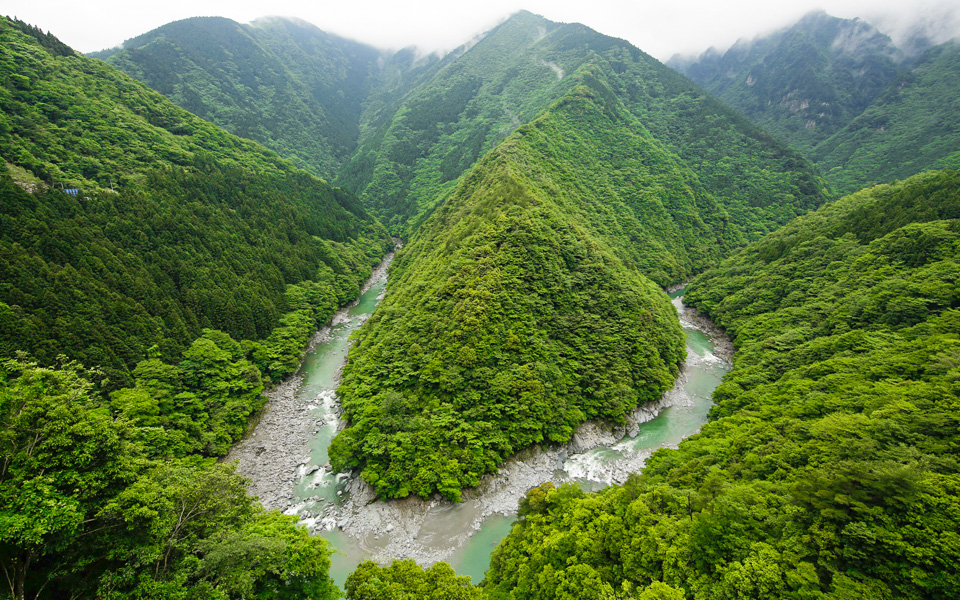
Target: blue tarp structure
(72, 191)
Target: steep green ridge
(840, 92)
(284, 83)
(412, 158)
(510, 318)
(830, 467)
(804, 83)
(412, 152)
(914, 125)
(650, 208)
(178, 226)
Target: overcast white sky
(659, 27)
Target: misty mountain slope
(408, 165)
(174, 226)
(840, 91)
(475, 97)
(510, 318)
(804, 83)
(283, 83)
(914, 125)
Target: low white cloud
(657, 27)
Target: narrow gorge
(285, 457)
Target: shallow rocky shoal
(278, 459)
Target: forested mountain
(829, 467)
(804, 83)
(487, 342)
(843, 94)
(129, 229)
(410, 163)
(550, 180)
(282, 82)
(173, 225)
(509, 318)
(425, 122)
(912, 126)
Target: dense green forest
(158, 273)
(510, 319)
(91, 508)
(411, 159)
(405, 580)
(139, 244)
(284, 83)
(861, 109)
(829, 468)
(177, 226)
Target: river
(286, 456)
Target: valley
(286, 456)
(654, 331)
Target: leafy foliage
(84, 512)
(405, 580)
(202, 404)
(284, 83)
(829, 469)
(508, 322)
(211, 241)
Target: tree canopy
(829, 468)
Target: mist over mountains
(181, 215)
(328, 96)
(859, 107)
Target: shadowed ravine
(286, 456)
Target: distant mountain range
(283, 83)
(862, 109)
(548, 182)
(409, 129)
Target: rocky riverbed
(287, 470)
(275, 456)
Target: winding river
(286, 456)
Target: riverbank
(275, 453)
(433, 530)
(286, 456)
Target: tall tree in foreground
(85, 514)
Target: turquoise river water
(466, 533)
